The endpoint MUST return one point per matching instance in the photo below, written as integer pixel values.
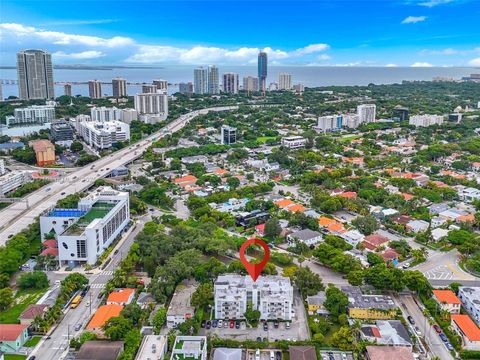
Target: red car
(232, 324)
(437, 329)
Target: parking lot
(297, 330)
(336, 355)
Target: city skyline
(413, 33)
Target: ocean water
(310, 76)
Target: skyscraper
(262, 70)
(228, 135)
(250, 83)
(119, 87)
(67, 89)
(185, 88)
(213, 86)
(284, 81)
(152, 107)
(148, 89)
(230, 83)
(161, 85)
(35, 75)
(366, 113)
(95, 89)
(200, 81)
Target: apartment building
(329, 123)
(470, 298)
(367, 306)
(294, 142)
(152, 107)
(180, 308)
(35, 114)
(101, 134)
(105, 113)
(61, 131)
(366, 113)
(425, 120)
(9, 181)
(84, 233)
(271, 295)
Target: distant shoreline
(92, 67)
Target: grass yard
(263, 139)
(348, 138)
(22, 299)
(33, 341)
(14, 357)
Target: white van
(272, 355)
(257, 354)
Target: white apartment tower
(284, 81)
(95, 89)
(250, 83)
(200, 81)
(35, 75)
(425, 120)
(366, 113)
(230, 83)
(161, 85)
(213, 84)
(152, 106)
(119, 87)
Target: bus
(76, 300)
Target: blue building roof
(12, 145)
(66, 213)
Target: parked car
(344, 356)
(278, 355)
(232, 324)
(287, 325)
(225, 324)
(214, 323)
(417, 331)
(78, 327)
(209, 324)
(275, 324)
(220, 323)
(237, 324)
(203, 323)
(406, 265)
(449, 346)
(410, 320)
(443, 337)
(265, 326)
(437, 328)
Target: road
(16, 217)
(57, 346)
(432, 339)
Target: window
(65, 245)
(81, 249)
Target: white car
(417, 331)
(406, 265)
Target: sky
(419, 33)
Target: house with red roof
(468, 331)
(12, 337)
(447, 300)
(31, 312)
(121, 297)
(374, 241)
(260, 229)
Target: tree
(336, 301)
(233, 182)
(366, 224)
(374, 258)
(252, 316)
(116, 328)
(76, 146)
(343, 339)
(133, 312)
(355, 278)
(272, 228)
(203, 296)
(308, 282)
(33, 280)
(159, 319)
(6, 298)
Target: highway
(17, 217)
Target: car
(265, 326)
(78, 327)
(237, 324)
(63, 193)
(278, 355)
(259, 339)
(115, 252)
(257, 354)
(32, 357)
(214, 323)
(48, 337)
(48, 189)
(437, 329)
(225, 324)
(287, 325)
(449, 346)
(406, 265)
(87, 304)
(108, 168)
(220, 323)
(331, 356)
(209, 324)
(275, 324)
(443, 337)
(344, 356)
(410, 320)
(202, 324)
(232, 324)
(417, 331)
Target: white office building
(294, 142)
(425, 120)
(213, 80)
(10, 181)
(200, 81)
(250, 83)
(284, 81)
(366, 113)
(230, 83)
(101, 134)
(35, 114)
(470, 298)
(329, 123)
(152, 107)
(105, 113)
(272, 295)
(128, 115)
(84, 233)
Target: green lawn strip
(22, 299)
(33, 341)
(14, 357)
(263, 139)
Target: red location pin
(254, 269)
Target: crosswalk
(440, 272)
(97, 286)
(107, 273)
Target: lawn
(22, 299)
(14, 357)
(263, 139)
(33, 341)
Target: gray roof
(305, 234)
(357, 299)
(392, 332)
(227, 354)
(100, 350)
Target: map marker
(254, 269)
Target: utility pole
(90, 301)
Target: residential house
(121, 297)
(386, 332)
(374, 241)
(103, 314)
(467, 330)
(222, 353)
(12, 337)
(189, 347)
(367, 306)
(417, 226)
(439, 234)
(100, 350)
(302, 352)
(306, 236)
(31, 312)
(447, 300)
(180, 308)
(388, 353)
(438, 221)
(353, 237)
(153, 347)
(315, 304)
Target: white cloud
(432, 3)
(474, 62)
(413, 19)
(421, 64)
(80, 22)
(447, 51)
(391, 65)
(310, 49)
(323, 57)
(89, 54)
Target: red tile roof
(33, 310)
(120, 296)
(103, 314)
(11, 332)
(446, 296)
(49, 251)
(50, 243)
(468, 327)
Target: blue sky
(335, 32)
